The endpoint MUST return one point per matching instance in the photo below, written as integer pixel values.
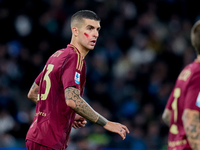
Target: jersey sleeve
(192, 99)
(170, 100)
(70, 75)
(37, 80)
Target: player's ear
(75, 31)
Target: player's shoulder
(68, 51)
(191, 70)
(192, 66)
(73, 51)
(57, 53)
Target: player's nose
(96, 34)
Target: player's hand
(79, 122)
(117, 128)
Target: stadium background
(142, 47)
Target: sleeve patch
(77, 77)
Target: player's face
(88, 33)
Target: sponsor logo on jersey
(77, 77)
(198, 100)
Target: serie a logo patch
(77, 77)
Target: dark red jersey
(53, 118)
(184, 95)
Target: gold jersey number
(177, 93)
(48, 82)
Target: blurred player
(58, 90)
(182, 110)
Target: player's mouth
(93, 42)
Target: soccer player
(58, 90)
(182, 110)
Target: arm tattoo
(82, 107)
(33, 92)
(33, 86)
(192, 128)
(101, 121)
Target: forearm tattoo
(82, 107)
(192, 129)
(101, 121)
(34, 92)
(33, 86)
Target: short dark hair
(85, 14)
(195, 36)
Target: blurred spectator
(6, 121)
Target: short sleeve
(192, 99)
(37, 80)
(70, 76)
(169, 102)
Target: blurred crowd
(143, 45)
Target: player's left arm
(80, 106)
(166, 116)
(191, 124)
(33, 92)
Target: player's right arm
(81, 107)
(33, 92)
(166, 116)
(191, 124)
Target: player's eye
(90, 28)
(98, 29)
